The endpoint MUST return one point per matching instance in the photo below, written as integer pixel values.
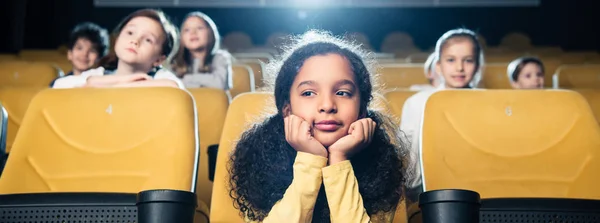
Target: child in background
(88, 42)
(526, 73)
(459, 61)
(325, 156)
(430, 74)
(200, 61)
(146, 38)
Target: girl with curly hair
(325, 156)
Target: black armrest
(461, 206)
(153, 206)
(540, 210)
(213, 150)
(3, 159)
(68, 207)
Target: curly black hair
(261, 167)
(92, 32)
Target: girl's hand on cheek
(359, 137)
(298, 135)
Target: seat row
(66, 125)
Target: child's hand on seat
(298, 135)
(359, 136)
(109, 80)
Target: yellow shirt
(341, 188)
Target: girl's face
(530, 77)
(457, 63)
(195, 34)
(140, 43)
(83, 55)
(325, 94)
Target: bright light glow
(302, 14)
(310, 3)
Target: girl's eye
(450, 60)
(344, 93)
(308, 93)
(149, 40)
(129, 33)
(470, 61)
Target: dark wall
(569, 24)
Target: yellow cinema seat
(15, 101)
(105, 140)
(577, 77)
(495, 76)
(211, 105)
(244, 110)
(511, 143)
(27, 74)
(395, 100)
(593, 98)
(243, 80)
(258, 69)
(399, 76)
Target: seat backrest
(236, 41)
(395, 100)
(593, 98)
(243, 80)
(40, 54)
(64, 66)
(265, 57)
(495, 76)
(8, 57)
(27, 74)
(551, 65)
(397, 41)
(516, 41)
(418, 57)
(511, 143)
(577, 76)
(15, 101)
(257, 68)
(211, 105)
(398, 76)
(244, 110)
(105, 140)
(546, 51)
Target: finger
(144, 77)
(373, 127)
(140, 77)
(305, 130)
(351, 129)
(369, 123)
(358, 132)
(297, 133)
(365, 124)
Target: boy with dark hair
(88, 43)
